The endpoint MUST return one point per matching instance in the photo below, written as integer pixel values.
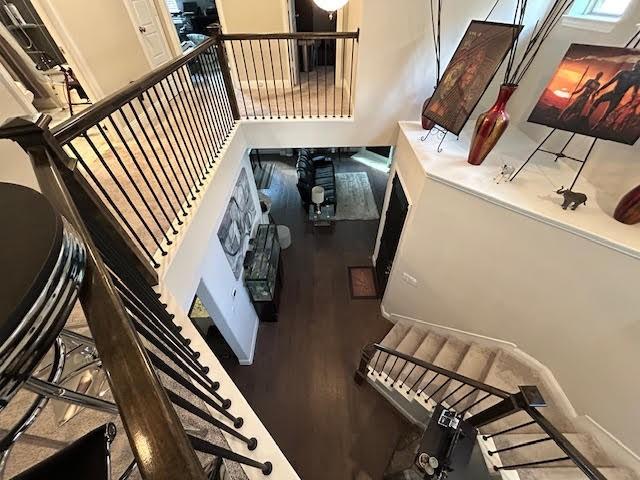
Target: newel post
(216, 33)
(528, 396)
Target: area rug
(263, 175)
(362, 282)
(355, 197)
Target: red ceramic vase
(628, 210)
(427, 123)
(490, 126)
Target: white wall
(197, 264)
(570, 303)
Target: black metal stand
(558, 155)
(440, 133)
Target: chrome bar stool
(43, 262)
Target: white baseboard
(618, 452)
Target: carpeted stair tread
(408, 345)
(572, 473)
(547, 450)
(449, 357)
(475, 364)
(395, 335)
(427, 351)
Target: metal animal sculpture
(573, 199)
(505, 172)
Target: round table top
(29, 248)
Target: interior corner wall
(200, 265)
(100, 38)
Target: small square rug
(362, 282)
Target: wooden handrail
(86, 119)
(146, 412)
(443, 371)
(291, 36)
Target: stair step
(427, 352)
(408, 345)
(572, 473)
(547, 450)
(507, 373)
(395, 335)
(475, 364)
(449, 357)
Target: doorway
(393, 224)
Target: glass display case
(262, 275)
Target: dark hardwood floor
(301, 382)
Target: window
(613, 8)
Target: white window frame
(581, 16)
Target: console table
(263, 275)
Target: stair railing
(141, 349)
(478, 403)
(292, 75)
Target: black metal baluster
(146, 180)
(292, 77)
(193, 138)
(218, 117)
(284, 92)
(251, 443)
(197, 113)
(186, 190)
(399, 371)
(116, 209)
(377, 359)
(464, 397)
(384, 365)
(418, 380)
(207, 103)
(440, 388)
(326, 66)
(235, 62)
(530, 464)
(266, 83)
(226, 101)
(273, 76)
(519, 445)
(181, 147)
(408, 374)
(255, 70)
(123, 191)
(420, 390)
(310, 115)
(224, 109)
(342, 75)
(482, 399)
(317, 79)
(452, 393)
(353, 42)
(392, 367)
(133, 183)
(246, 71)
(507, 430)
(206, 447)
(335, 71)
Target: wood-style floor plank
(301, 383)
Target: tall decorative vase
(628, 210)
(427, 123)
(490, 126)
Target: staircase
(417, 368)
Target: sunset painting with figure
(595, 92)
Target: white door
(147, 23)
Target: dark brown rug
(362, 282)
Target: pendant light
(330, 5)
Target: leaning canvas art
(594, 92)
(235, 229)
(471, 69)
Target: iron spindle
(206, 104)
(291, 77)
(317, 81)
(344, 48)
(420, 390)
(264, 72)
(400, 371)
(115, 208)
(206, 447)
(530, 464)
(182, 147)
(384, 365)
(379, 353)
(335, 71)
(440, 387)
(520, 445)
(123, 191)
(217, 83)
(452, 393)
(133, 183)
(408, 374)
(353, 42)
(224, 96)
(273, 77)
(309, 64)
(507, 430)
(482, 399)
(463, 398)
(326, 66)
(393, 365)
(284, 92)
(235, 62)
(255, 70)
(219, 120)
(145, 179)
(418, 380)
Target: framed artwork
(594, 92)
(235, 229)
(470, 71)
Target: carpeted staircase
(499, 368)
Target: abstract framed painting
(595, 91)
(475, 62)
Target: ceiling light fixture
(330, 5)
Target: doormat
(362, 282)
